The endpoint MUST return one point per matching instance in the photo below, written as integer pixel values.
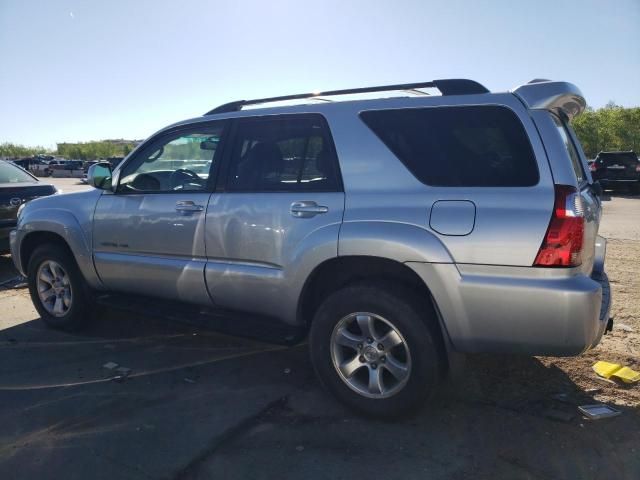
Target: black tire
(78, 314)
(414, 320)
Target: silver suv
(399, 231)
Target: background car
(17, 186)
(617, 170)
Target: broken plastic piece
(598, 411)
(608, 370)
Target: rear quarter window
(471, 146)
(574, 156)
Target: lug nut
(380, 346)
(369, 340)
(361, 358)
(374, 365)
(383, 359)
(359, 346)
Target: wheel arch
(61, 228)
(338, 272)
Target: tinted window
(576, 163)
(283, 154)
(481, 146)
(178, 162)
(12, 174)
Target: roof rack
(452, 86)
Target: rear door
(590, 201)
(279, 212)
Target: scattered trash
(15, 282)
(624, 327)
(123, 371)
(591, 391)
(598, 411)
(608, 370)
(189, 380)
(287, 371)
(109, 368)
(299, 448)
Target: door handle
(188, 206)
(307, 209)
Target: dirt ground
(202, 405)
(622, 345)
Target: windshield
(11, 174)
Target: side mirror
(99, 176)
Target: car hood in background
(12, 195)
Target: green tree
(611, 127)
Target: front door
(148, 235)
(278, 216)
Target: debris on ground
(189, 380)
(617, 371)
(110, 368)
(287, 371)
(14, 283)
(123, 371)
(598, 411)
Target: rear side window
(281, 154)
(576, 163)
(475, 146)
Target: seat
(262, 166)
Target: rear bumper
(518, 310)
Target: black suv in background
(617, 170)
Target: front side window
(283, 154)
(474, 146)
(177, 163)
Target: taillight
(638, 168)
(562, 245)
(593, 167)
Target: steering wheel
(181, 175)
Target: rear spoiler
(556, 97)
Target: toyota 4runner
(398, 231)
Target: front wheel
(375, 349)
(58, 289)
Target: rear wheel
(57, 288)
(374, 348)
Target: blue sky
(76, 70)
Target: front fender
(63, 223)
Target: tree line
(72, 151)
(611, 127)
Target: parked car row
(17, 186)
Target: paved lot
(200, 404)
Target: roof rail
(452, 86)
